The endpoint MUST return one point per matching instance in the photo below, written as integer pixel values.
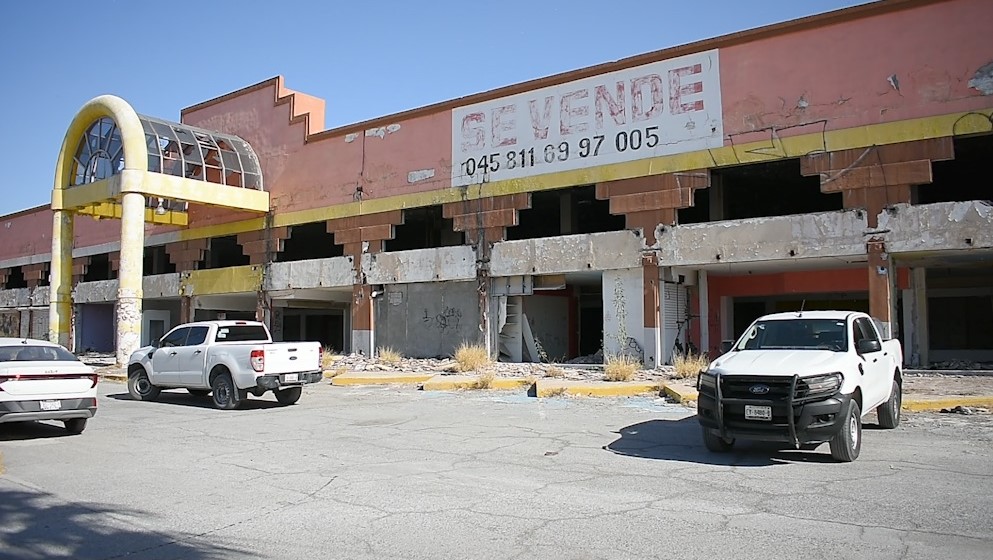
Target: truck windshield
(242, 333)
(796, 334)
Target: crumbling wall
(427, 319)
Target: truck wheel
(889, 411)
(225, 396)
(714, 442)
(140, 388)
(846, 445)
(288, 396)
(199, 392)
(75, 425)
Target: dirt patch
(930, 385)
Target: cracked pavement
(380, 472)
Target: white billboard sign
(666, 107)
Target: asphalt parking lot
(378, 472)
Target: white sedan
(40, 380)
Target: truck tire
(224, 394)
(846, 445)
(889, 411)
(199, 392)
(139, 387)
(714, 442)
(75, 426)
(288, 396)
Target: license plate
(51, 405)
(290, 378)
(758, 412)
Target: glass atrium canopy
(173, 149)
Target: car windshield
(796, 334)
(31, 353)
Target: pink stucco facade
(866, 66)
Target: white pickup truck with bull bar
(802, 378)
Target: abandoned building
(654, 204)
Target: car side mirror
(868, 346)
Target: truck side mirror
(868, 346)
(726, 346)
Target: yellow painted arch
(132, 138)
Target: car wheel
(75, 425)
(889, 411)
(199, 392)
(714, 442)
(288, 396)
(223, 392)
(140, 388)
(846, 445)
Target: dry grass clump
(327, 359)
(389, 356)
(484, 381)
(471, 357)
(554, 371)
(620, 368)
(689, 365)
(555, 392)
(335, 373)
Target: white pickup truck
(225, 359)
(804, 378)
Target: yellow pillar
(130, 276)
(60, 299)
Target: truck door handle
(197, 352)
(172, 353)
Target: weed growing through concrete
(554, 371)
(555, 392)
(471, 357)
(689, 365)
(620, 368)
(336, 372)
(389, 356)
(484, 381)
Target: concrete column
(363, 339)
(623, 309)
(652, 342)
(921, 339)
(881, 286)
(60, 299)
(701, 278)
(130, 275)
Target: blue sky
(364, 58)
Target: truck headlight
(818, 385)
(706, 380)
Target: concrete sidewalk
(922, 392)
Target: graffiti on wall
(449, 318)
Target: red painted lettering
(677, 89)
(567, 112)
(504, 121)
(473, 134)
(638, 110)
(614, 105)
(540, 122)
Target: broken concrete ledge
(380, 378)
(551, 387)
(457, 382)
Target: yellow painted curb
(679, 393)
(457, 382)
(380, 378)
(923, 405)
(554, 388)
(114, 377)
